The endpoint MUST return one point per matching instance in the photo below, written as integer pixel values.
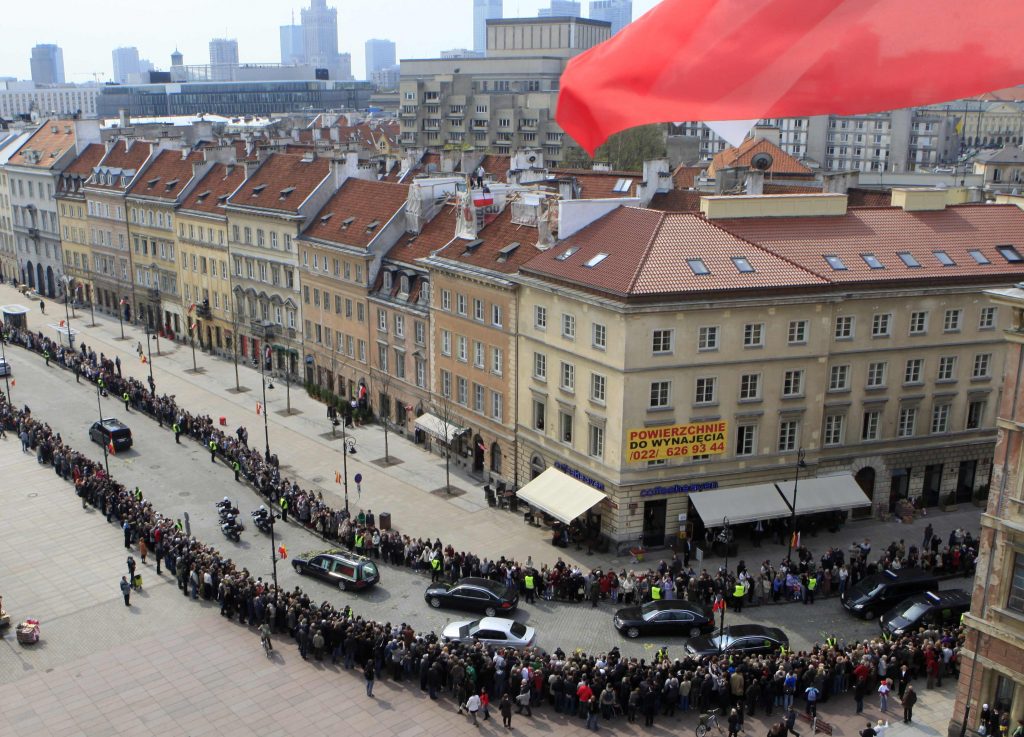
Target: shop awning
(740, 504)
(437, 428)
(827, 494)
(560, 495)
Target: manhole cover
(317, 479)
(154, 467)
(32, 494)
(184, 493)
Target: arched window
(495, 458)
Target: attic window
(153, 182)
(567, 253)
(507, 251)
(258, 188)
(698, 267)
(347, 222)
(372, 226)
(203, 195)
(1010, 253)
(326, 217)
(471, 246)
(595, 260)
(909, 260)
(223, 198)
(944, 258)
(171, 184)
(979, 257)
(286, 191)
(622, 185)
(742, 265)
(835, 262)
(871, 260)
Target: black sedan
(740, 639)
(665, 617)
(473, 594)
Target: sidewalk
(411, 489)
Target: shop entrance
(932, 485)
(654, 522)
(965, 481)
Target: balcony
(33, 233)
(407, 112)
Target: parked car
(110, 430)
(878, 593)
(739, 639)
(345, 570)
(491, 631)
(665, 617)
(5, 367)
(473, 594)
(932, 608)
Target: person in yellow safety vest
(529, 585)
(177, 433)
(435, 568)
(738, 592)
(213, 451)
(656, 592)
(831, 641)
(236, 468)
(126, 398)
(812, 584)
(359, 542)
(283, 503)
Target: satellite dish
(532, 158)
(762, 161)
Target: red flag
(110, 447)
(62, 323)
(748, 59)
(796, 540)
(719, 604)
(13, 382)
(337, 477)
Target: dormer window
(387, 280)
(258, 189)
(403, 284)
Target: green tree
(625, 151)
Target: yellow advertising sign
(676, 441)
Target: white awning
(438, 428)
(560, 495)
(740, 504)
(836, 493)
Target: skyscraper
(320, 35)
(293, 47)
(482, 11)
(562, 9)
(380, 54)
(617, 12)
(47, 64)
(126, 64)
(224, 51)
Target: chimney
(770, 133)
(754, 182)
(124, 120)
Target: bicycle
(706, 721)
(267, 647)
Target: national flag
(282, 552)
(13, 382)
(143, 358)
(719, 605)
(718, 60)
(483, 199)
(796, 540)
(259, 408)
(337, 477)
(110, 447)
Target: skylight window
(1010, 253)
(698, 267)
(286, 191)
(944, 258)
(909, 260)
(347, 222)
(742, 265)
(258, 188)
(871, 260)
(203, 195)
(567, 253)
(622, 185)
(371, 226)
(835, 262)
(326, 217)
(979, 257)
(171, 184)
(152, 182)
(595, 260)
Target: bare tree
(445, 410)
(379, 370)
(234, 340)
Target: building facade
(126, 64)
(483, 11)
(10, 142)
(19, 99)
(74, 222)
(992, 659)
(617, 12)
(47, 64)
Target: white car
(5, 368)
(491, 631)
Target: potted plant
(981, 496)
(949, 503)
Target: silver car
(490, 631)
(5, 368)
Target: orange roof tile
(497, 165)
(44, 148)
(211, 192)
(677, 200)
(597, 185)
(123, 156)
(282, 182)
(346, 217)
(87, 160)
(433, 236)
(501, 233)
(782, 163)
(168, 175)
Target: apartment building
(113, 282)
(278, 198)
(340, 258)
(499, 103)
(10, 142)
(74, 221)
(992, 658)
(766, 325)
(151, 201)
(203, 264)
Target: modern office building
(483, 11)
(562, 9)
(223, 57)
(47, 64)
(380, 54)
(617, 12)
(126, 65)
(25, 99)
(293, 45)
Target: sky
(89, 31)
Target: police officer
(283, 503)
(126, 399)
(529, 585)
(177, 432)
(236, 468)
(656, 591)
(213, 450)
(738, 592)
(360, 541)
(46, 355)
(435, 568)
(812, 584)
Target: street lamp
(265, 332)
(67, 298)
(273, 546)
(152, 382)
(725, 592)
(7, 373)
(99, 407)
(349, 446)
(792, 514)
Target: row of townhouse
(528, 328)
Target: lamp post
(792, 514)
(273, 546)
(721, 619)
(99, 407)
(7, 374)
(67, 314)
(265, 331)
(349, 446)
(120, 315)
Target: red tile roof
(219, 182)
(596, 185)
(782, 163)
(499, 234)
(648, 253)
(359, 203)
(434, 235)
(87, 160)
(677, 200)
(684, 176)
(168, 175)
(282, 182)
(497, 165)
(44, 148)
(126, 156)
(860, 197)
(885, 233)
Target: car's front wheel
(490, 611)
(343, 585)
(299, 569)
(435, 602)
